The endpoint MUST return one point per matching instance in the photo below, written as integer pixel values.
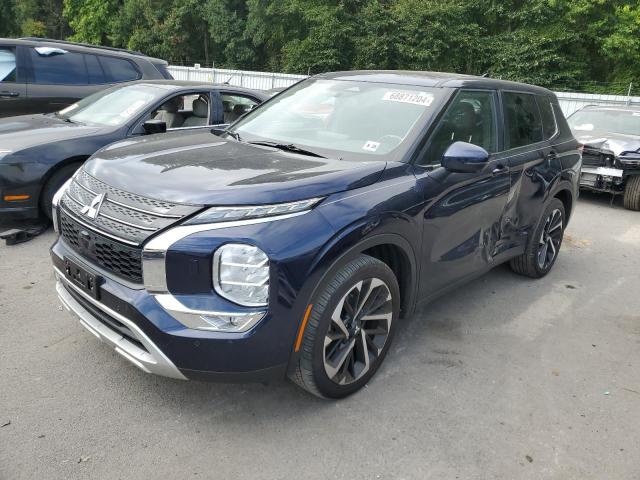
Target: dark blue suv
(294, 242)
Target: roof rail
(79, 44)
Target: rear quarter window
(549, 123)
(523, 124)
(117, 70)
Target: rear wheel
(632, 193)
(349, 330)
(53, 185)
(544, 243)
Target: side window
(234, 106)
(118, 70)
(94, 69)
(470, 118)
(52, 66)
(523, 125)
(182, 111)
(549, 126)
(7, 65)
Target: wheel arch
(56, 168)
(393, 250)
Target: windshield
(356, 120)
(626, 122)
(113, 107)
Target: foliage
(576, 44)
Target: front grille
(122, 260)
(126, 216)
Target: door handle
(9, 94)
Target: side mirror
(155, 126)
(220, 128)
(464, 157)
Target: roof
(433, 79)
(171, 85)
(623, 108)
(82, 47)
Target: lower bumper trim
(153, 360)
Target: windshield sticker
(133, 108)
(415, 98)
(371, 146)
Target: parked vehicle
(611, 155)
(39, 75)
(294, 242)
(38, 153)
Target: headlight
(229, 214)
(241, 274)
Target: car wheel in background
(349, 329)
(53, 185)
(632, 193)
(544, 243)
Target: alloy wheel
(359, 328)
(550, 239)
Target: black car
(38, 153)
(294, 243)
(39, 75)
(611, 154)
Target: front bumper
(135, 324)
(137, 347)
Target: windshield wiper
(289, 147)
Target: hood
(609, 141)
(18, 133)
(203, 169)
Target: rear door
(13, 90)
(57, 78)
(526, 153)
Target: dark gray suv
(42, 75)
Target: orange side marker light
(14, 198)
(302, 327)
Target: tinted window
(96, 75)
(470, 118)
(548, 119)
(58, 67)
(118, 70)
(522, 119)
(7, 65)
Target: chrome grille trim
(97, 230)
(116, 217)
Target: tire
(531, 263)
(319, 370)
(53, 185)
(632, 193)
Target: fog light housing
(241, 274)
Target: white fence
(569, 101)
(238, 78)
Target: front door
(463, 212)
(13, 91)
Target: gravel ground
(505, 378)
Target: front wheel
(632, 193)
(56, 182)
(349, 330)
(544, 243)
